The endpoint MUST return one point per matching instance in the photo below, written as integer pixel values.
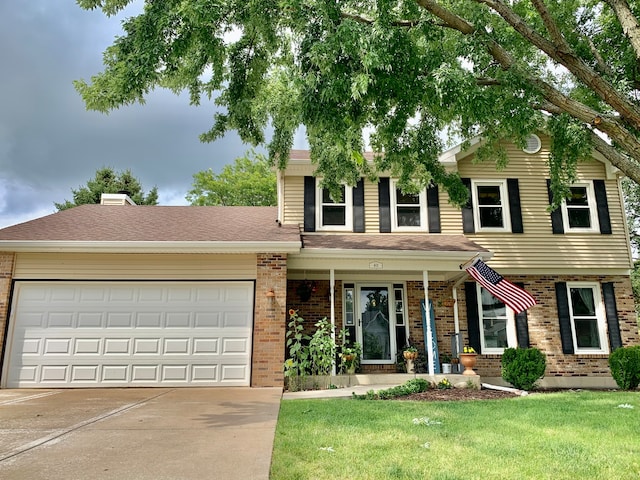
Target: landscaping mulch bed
(457, 394)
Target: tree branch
(628, 22)
(605, 90)
(617, 159)
(368, 21)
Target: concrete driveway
(137, 433)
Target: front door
(375, 325)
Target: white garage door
(113, 334)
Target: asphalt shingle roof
(420, 243)
(106, 223)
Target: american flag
(511, 295)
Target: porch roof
(394, 242)
(399, 256)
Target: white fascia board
(404, 254)
(380, 260)
(150, 247)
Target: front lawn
(568, 435)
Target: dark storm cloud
(50, 144)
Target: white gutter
(147, 247)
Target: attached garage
(120, 295)
(129, 333)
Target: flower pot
(446, 368)
(468, 360)
(408, 355)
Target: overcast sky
(49, 142)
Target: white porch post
(332, 301)
(427, 313)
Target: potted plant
(468, 358)
(445, 358)
(350, 358)
(410, 353)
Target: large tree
(248, 181)
(405, 70)
(106, 180)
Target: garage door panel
(163, 337)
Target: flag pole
(463, 266)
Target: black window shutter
(358, 207)
(473, 319)
(522, 325)
(602, 206)
(615, 340)
(309, 204)
(384, 205)
(556, 215)
(515, 210)
(467, 210)
(433, 208)
(566, 337)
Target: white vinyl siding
(135, 266)
(538, 249)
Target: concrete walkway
(137, 433)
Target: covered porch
(387, 291)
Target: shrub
(625, 367)
(415, 385)
(523, 367)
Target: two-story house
(125, 295)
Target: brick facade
(7, 261)
(544, 329)
(269, 327)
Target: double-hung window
(491, 206)
(335, 215)
(497, 323)
(408, 210)
(579, 210)
(588, 322)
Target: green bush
(625, 367)
(523, 367)
(415, 385)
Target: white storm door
(376, 327)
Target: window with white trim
(408, 210)
(490, 206)
(335, 215)
(497, 323)
(588, 322)
(579, 210)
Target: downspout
(456, 314)
(427, 312)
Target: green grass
(570, 435)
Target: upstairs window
(335, 215)
(408, 210)
(579, 211)
(491, 206)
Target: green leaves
(107, 180)
(248, 181)
(406, 72)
